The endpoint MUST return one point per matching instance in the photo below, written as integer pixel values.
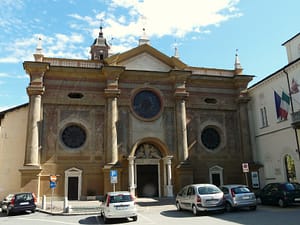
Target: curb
(65, 213)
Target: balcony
(296, 120)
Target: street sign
(52, 184)
(53, 178)
(245, 167)
(113, 176)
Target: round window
(146, 104)
(73, 136)
(210, 138)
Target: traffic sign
(52, 184)
(245, 167)
(53, 178)
(113, 176)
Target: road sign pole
(246, 177)
(52, 191)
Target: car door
(183, 198)
(190, 197)
(269, 193)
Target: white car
(200, 198)
(120, 204)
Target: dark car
(20, 202)
(282, 194)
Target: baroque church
(154, 121)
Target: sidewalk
(93, 207)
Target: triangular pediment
(146, 58)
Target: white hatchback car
(200, 197)
(120, 204)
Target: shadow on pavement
(91, 220)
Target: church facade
(139, 121)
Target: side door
(270, 192)
(191, 197)
(183, 198)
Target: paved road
(166, 215)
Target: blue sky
(206, 32)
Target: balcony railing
(296, 119)
(73, 63)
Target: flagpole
(292, 105)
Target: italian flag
(284, 106)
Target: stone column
(35, 91)
(112, 93)
(244, 127)
(131, 174)
(169, 186)
(181, 95)
(30, 179)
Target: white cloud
(123, 20)
(169, 17)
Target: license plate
(24, 203)
(297, 199)
(245, 197)
(121, 207)
(211, 201)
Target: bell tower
(99, 49)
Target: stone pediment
(145, 58)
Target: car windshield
(289, 187)
(120, 198)
(241, 190)
(206, 190)
(297, 186)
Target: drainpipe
(292, 105)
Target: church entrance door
(147, 181)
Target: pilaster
(112, 93)
(35, 90)
(181, 95)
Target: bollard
(44, 202)
(66, 207)
(69, 209)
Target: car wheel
(134, 218)
(195, 211)
(8, 212)
(262, 201)
(228, 207)
(105, 219)
(178, 206)
(281, 203)
(33, 211)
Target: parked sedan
(200, 197)
(20, 202)
(282, 194)
(238, 196)
(119, 204)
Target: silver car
(200, 197)
(238, 196)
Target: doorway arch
(73, 183)
(150, 173)
(216, 175)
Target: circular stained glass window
(146, 104)
(73, 136)
(210, 138)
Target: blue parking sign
(113, 176)
(52, 184)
